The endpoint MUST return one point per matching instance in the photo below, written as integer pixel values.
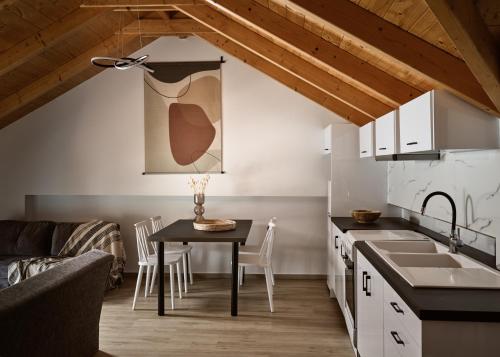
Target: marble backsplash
(472, 178)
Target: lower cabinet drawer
(396, 308)
(396, 339)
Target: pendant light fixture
(123, 63)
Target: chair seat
(177, 249)
(251, 259)
(168, 259)
(249, 249)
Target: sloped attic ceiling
(358, 58)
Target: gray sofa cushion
(9, 233)
(35, 239)
(5, 260)
(61, 234)
(57, 312)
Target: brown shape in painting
(191, 132)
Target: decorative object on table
(123, 63)
(215, 225)
(198, 187)
(183, 117)
(365, 215)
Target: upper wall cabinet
(366, 140)
(387, 134)
(438, 120)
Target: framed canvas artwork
(183, 117)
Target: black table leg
(161, 288)
(242, 271)
(187, 265)
(234, 292)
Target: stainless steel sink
(419, 260)
(406, 246)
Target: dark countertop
(438, 304)
(394, 223)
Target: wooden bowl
(215, 225)
(365, 216)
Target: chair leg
(138, 285)
(272, 273)
(184, 269)
(190, 268)
(269, 285)
(153, 279)
(148, 274)
(172, 290)
(179, 284)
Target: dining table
(183, 231)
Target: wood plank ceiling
(357, 58)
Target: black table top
(438, 303)
(183, 231)
(391, 223)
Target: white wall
(90, 141)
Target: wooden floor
(306, 322)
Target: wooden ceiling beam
(136, 3)
(284, 77)
(71, 69)
(286, 60)
(160, 27)
(24, 51)
(445, 70)
(464, 25)
(392, 89)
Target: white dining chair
(174, 248)
(148, 260)
(263, 260)
(255, 249)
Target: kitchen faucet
(455, 240)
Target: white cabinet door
(366, 140)
(331, 258)
(369, 309)
(339, 270)
(386, 134)
(416, 124)
(327, 140)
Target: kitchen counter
(383, 223)
(437, 303)
(346, 224)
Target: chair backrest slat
(266, 249)
(142, 234)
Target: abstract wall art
(183, 117)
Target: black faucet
(455, 240)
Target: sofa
(57, 312)
(21, 240)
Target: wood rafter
(445, 70)
(73, 68)
(159, 27)
(136, 3)
(36, 44)
(466, 28)
(288, 61)
(284, 77)
(368, 76)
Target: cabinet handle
(364, 151)
(368, 278)
(335, 244)
(396, 308)
(364, 280)
(396, 338)
(412, 143)
(382, 149)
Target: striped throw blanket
(100, 235)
